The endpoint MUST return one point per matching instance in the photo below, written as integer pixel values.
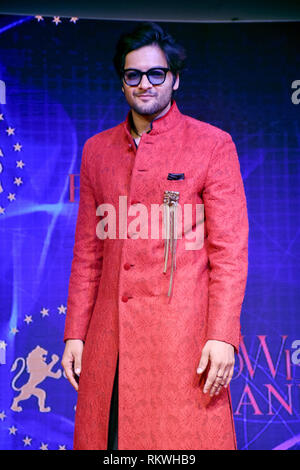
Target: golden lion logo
(38, 369)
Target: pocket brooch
(170, 204)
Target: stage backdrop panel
(58, 87)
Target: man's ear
(175, 77)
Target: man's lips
(145, 96)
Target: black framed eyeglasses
(156, 76)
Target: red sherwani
(118, 301)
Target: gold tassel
(170, 231)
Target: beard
(155, 105)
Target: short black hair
(145, 34)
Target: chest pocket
(175, 176)
(180, 182)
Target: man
(172, 330)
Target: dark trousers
(112, 443)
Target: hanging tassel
(166, 229)
(170, 231)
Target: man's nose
(144, 83)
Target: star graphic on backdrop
(10, 131)
(28, 319)
(1, 153)
(27, 441)
(39, 18)
(44, 312)
(56, 20)
(17, 147)
(2, 415)
(20, 163)
(12, 430)
(1, 117)
(44, 446)
(11, 197)
(18, 181)
(62, 447)
(74, 19)
(3, 344)
(62, 309)
(2, 210)
(14, 330)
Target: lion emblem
(38, 370)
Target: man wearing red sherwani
(172, 329)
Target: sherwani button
(127, 266)
(124, 298)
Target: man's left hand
(220, 356)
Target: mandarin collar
(160, 125)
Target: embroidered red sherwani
(117, 300)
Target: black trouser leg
(112, 443)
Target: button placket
(126, 266)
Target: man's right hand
(71, 360)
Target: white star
(1, 153)
(2, 415)
(62, 447)
(27, 441)
(39, 18)
(14, 330)
(62, 309)
(28, 319)
(3, 345)
(12, 430)
(10, 131)
(18, 181)
(20, 163)
(44, 446)
(56, 20)
(1, 117)
(74, 19)
(2, 210)
(44, 312)
(17, 147)
(11, 197)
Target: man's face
(143, 59)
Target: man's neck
(142, 123)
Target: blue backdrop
(58, 87)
